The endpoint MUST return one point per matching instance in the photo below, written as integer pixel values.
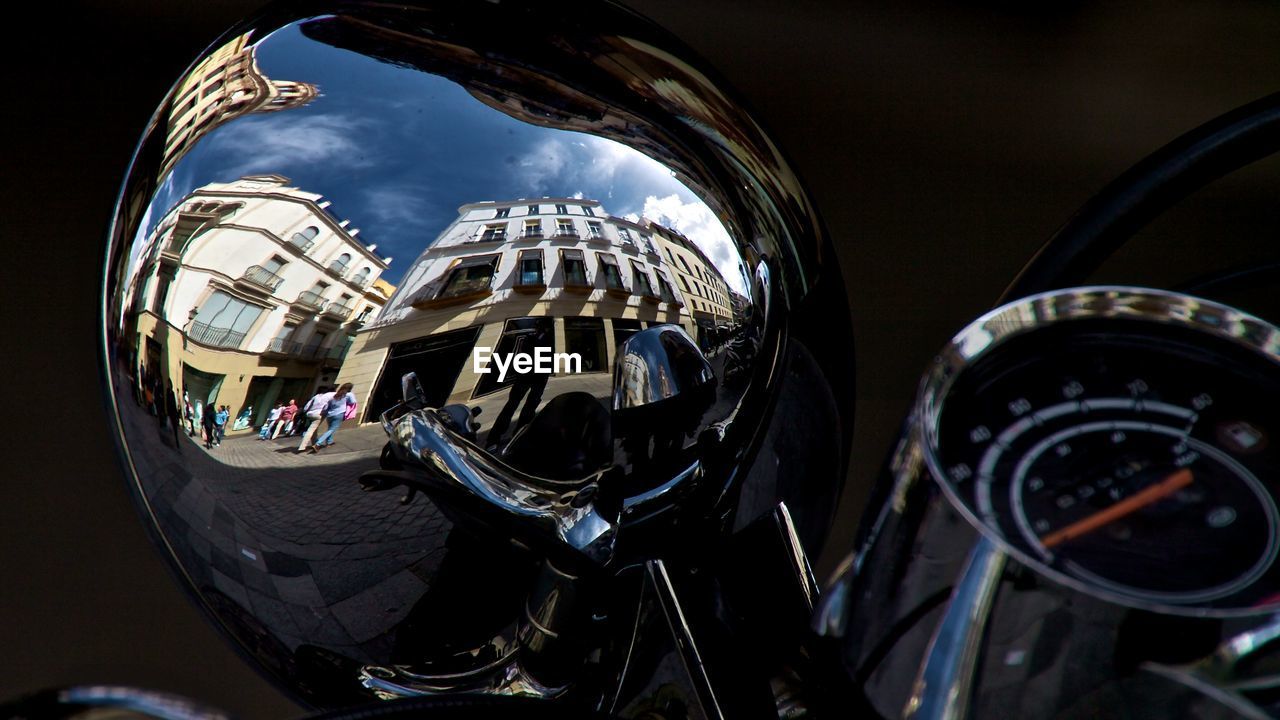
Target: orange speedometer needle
(1131, 504)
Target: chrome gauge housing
(1084, 498)
(1116, 427)
(615, 295)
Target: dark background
(942, 145)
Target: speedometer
(1119, 439)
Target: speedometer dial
(1119, 439)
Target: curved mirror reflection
(542, 267)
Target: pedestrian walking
(175, 420)
(284, 423)
(311, 413)
(210, 423)
(264, 432)
(335, 411)
(224, 414)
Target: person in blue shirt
(224, 413)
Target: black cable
(1128, 203)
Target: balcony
(281, 347)
(530, 235)
(310, 301)
(337, 269)
(340, 311)
(262, 277)
(491, 236)
(215, 337)
(301, 243)
(566, 233)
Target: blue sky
(397, 151)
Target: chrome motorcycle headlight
(616, 297)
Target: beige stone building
(501, 270)
(225, 85)
(249, 292)
(708, 298)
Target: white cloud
(557, 163)
(400, 206)
(273, 143)
(700, 225)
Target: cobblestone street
(290, 539)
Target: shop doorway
(437, 359)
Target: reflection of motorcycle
(593, 620)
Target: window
(280, 343)
(647, 244)
(575, 268)
(609, 268)
(564, 228)
(640, 279)
(623, 329)
(472, 275)
(305, 239)
(561, 209)
(585, 336)
(589, 211)
(502, 212)
(594, 230)
(339, 266)
(530, 268)
(533, 209)
(685, 283)
(669, 258)
(625, 235)
(684, 264)
(362, 278)
(532, 229)
(223, 321)
(493, 233)
(664, 289)
(313, 347)
(519, 335)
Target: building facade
(249, 293)
(708, 298)
(502, 270)
(225, 85)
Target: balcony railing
(531, 235)
(496, 236)
(310, 299)
(566, 233)
(337, 268)
(263, 277)
(215, 337)
(339, 310)
(302, 242)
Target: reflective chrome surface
(600, 270)
(943, 617)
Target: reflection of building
(487, 277)
(706, 294)
(225, 85)
(247, 293)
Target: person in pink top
(285, 421)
